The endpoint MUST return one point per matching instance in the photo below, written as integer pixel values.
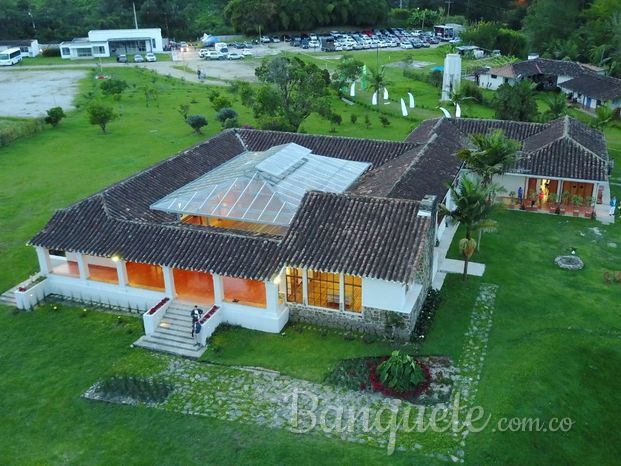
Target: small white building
(28, 47)
(109, 42)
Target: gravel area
(30, 93)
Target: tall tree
(377, 82)
(491, 155)
(548, 20)
(471, 208)
(292, 90)
(515, 102)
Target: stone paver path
(267, 398)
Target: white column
(341, 292)
(271, 296)
(218, 295)
(169, 282)
(121, 272)
(45, 264)
(82, 267)
(305, 286)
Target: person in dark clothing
(196, 332)
(196, 314)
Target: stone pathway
(267, 398)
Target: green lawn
(48, 359)
(554, 350)
(300, 351)
(555, 347)
(46, 61)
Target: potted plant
(577, 202)
(565, 198)
(511, 204)
(588, 211)
(533, 198)
(552, 204)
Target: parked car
(202, 53)
(406, 45)
(138, 58)
(122, 58)
(213, 55)
(235, 56)
(265, 40)
(150, 57)
(247, 53)
(314, 43)
(275, 39)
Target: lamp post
(34, 27)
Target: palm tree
(471, 209)
(492, 155)
(603, 116)
(377, 82)
(557, 106)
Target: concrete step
(10, 300)
(182, 332)
(174, 323)
(194, 353)
(169, 337)
(184, 345)
(177, 319)
(179, 314)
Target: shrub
(335, 118)
(470, 89)
(54, 115)
(353, 118)
(139, 389)
(226, 113)
(19, 128)
(367, 121)
(400, 372)
(384, 121)
(196, 122)
(113, 87)
(230, 123)
(427, 313)
(101, 114)
(51, 52)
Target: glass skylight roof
(262, 187)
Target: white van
(10, 56)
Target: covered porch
(200, 288)
(577, 198)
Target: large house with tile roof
(543, 71)
(268, 226)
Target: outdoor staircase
(174, 334)
(8, 298)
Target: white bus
(10, 57)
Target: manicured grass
(48, 359)
(301, 351)
(555, 346)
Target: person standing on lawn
(613, 206)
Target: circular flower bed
(569, 262)
(415, 392)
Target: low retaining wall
(371, 321)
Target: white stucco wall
(106, 35)
(381, 294)
(511, 183)
(486, 81)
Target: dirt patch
(31, 93)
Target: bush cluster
(137, 388)
(427, 314)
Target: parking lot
(31, 93)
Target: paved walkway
(446, 266)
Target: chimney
(428, 206)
